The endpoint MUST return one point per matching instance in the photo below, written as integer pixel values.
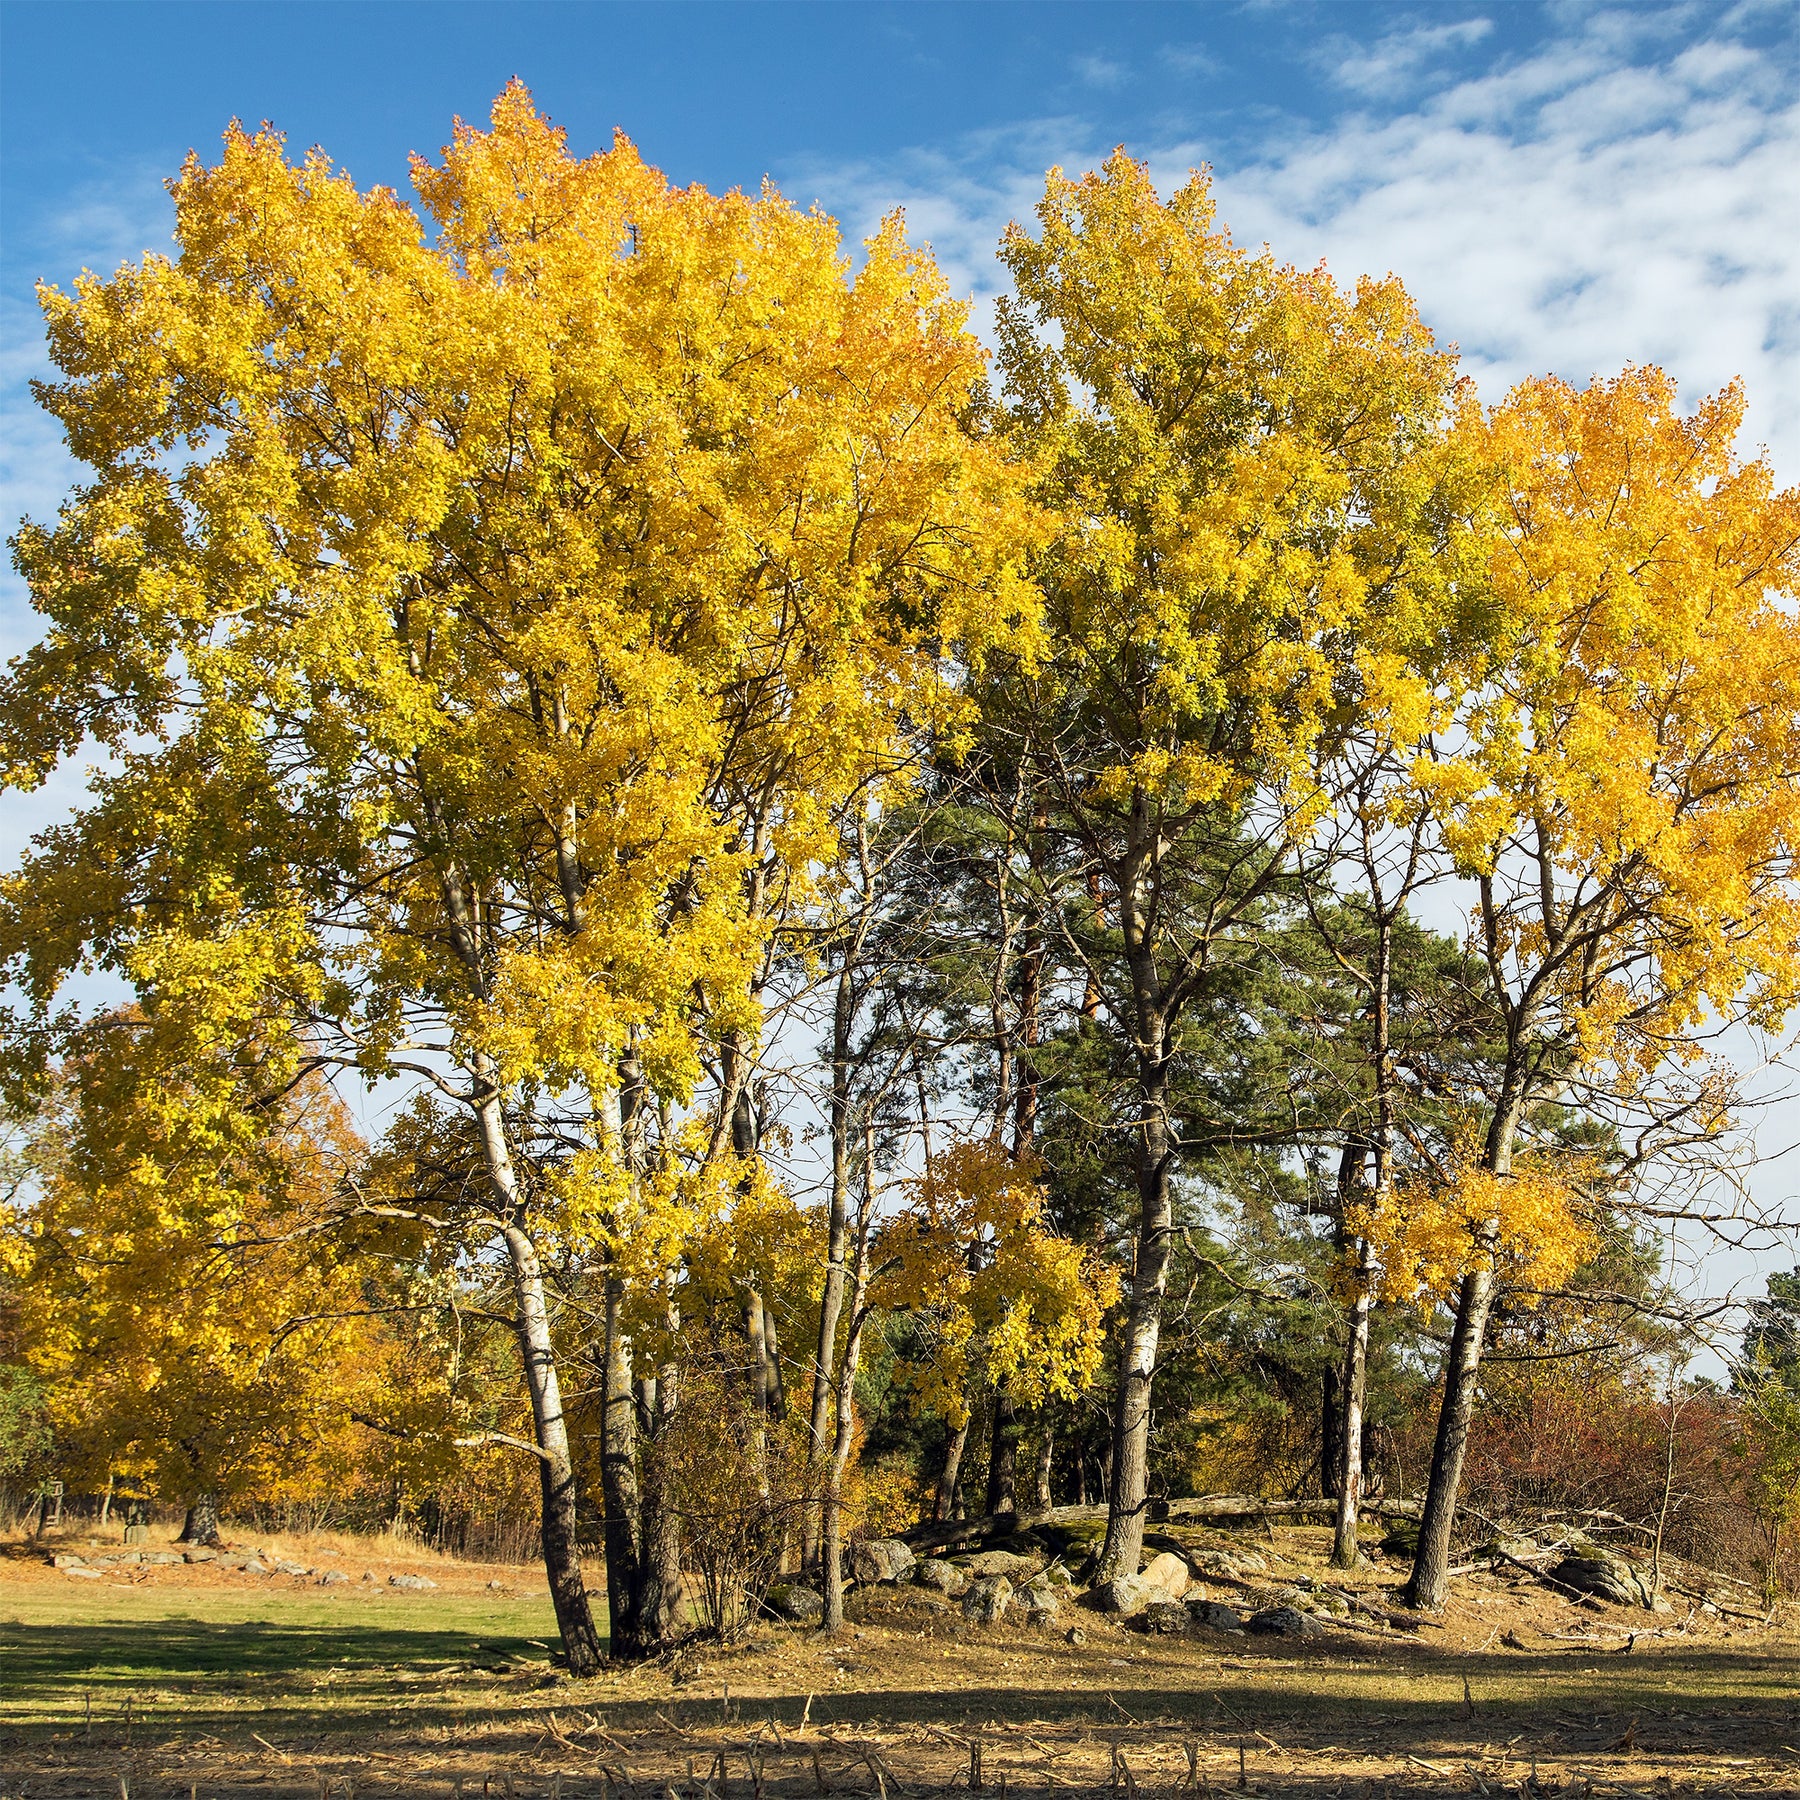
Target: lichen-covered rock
(1128, 1596)
(944, 1577)
(334, 1578)
(1230, 1565)
(881, 1559)
(1166, 1618)
(412, 1583)
(795, 1602)
(1609, 1578)
(1009, 1563)
(987, 1599)
(294, 1568)
(1286, 1621)
(65, 1559)
(1215, 1615)
(1040, 1597)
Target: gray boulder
(987, 1599)
(881, 1559)
(1215, 1615)
(65, 1559)
(294, 1568)
(200, 1555)
(944, 1577)
(1166, 1618)
(1128, 1596)
(411, 1582)
(1287, 1622)
(1041, 1597)
(795, 1602)
(1231, 1565)
(1004, 1562)
(253, 1565)
(1609, 1578)
(334, 1578)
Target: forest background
(1279, 1231)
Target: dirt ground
(154, 1680)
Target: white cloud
(1397, 59)
(1101, 71)
(1621, 194)
(1190, 59)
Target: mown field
(187, 1683)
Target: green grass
(216, 1658)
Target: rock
(881, 1559)
(1286, 1621)
(945, 1577)
(1168, 1574)
(200, 1556)
(411, 1582)
(1215, 1615)
(1040, 1597)
(86, 1574)
(987, 1599)
(254, 1565)
(1402, 1539)
(1128, 1596)
(137, 1534)
(163, 1556)
(1610, 1578)
(334, 1578)
(127, 1558)
(1003, 1562)
(294, 1568)
(1231, 1565)
(1166, 1618)
(795, 1602)
(65, 1560)
(495, 1586)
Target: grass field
(202, 1688)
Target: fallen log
(1200, 1508)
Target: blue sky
(1564, 186)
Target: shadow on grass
(342, 1679)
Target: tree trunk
(1003, 1454)
(619, 1483)
(1431, 1566)
(201, 1526)
(1129, 1477)
(1331, 1438)
(950, 1472)
(659, 1572)
(1344, 1552)
(1429, 1582)
(1041, 1501)
(831, 1549)
(556, 1469)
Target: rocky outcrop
(881, 1559)
(941, 1576)
(987, 1599)
(795, 1602)
(1287, 1622)
(1215, 1615)
(1609, 1577)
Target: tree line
(866, 888)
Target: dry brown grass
(228, 1686)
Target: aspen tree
(483, 629)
